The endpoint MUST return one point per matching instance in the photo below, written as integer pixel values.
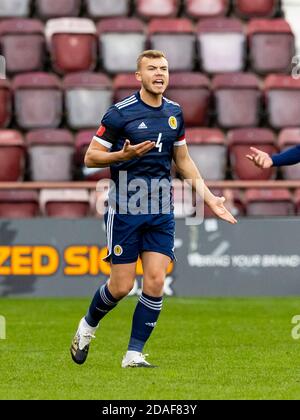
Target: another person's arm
(188, 170)
(264, 160)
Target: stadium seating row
(46, 9)
(214, 45)
(104, 38)
(260, 202)
(41, 100)
(54, 155)
(80, 203)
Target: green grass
(205, 349)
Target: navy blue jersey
(136, 121)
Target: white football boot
(133, 359)
(81, 342)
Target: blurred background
(234, 70)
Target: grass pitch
(205, 349)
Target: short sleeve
(110, 128)
(181, 141)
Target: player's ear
(138, 76)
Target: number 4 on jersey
(159, 144)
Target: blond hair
(149, 54)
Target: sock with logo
(144, 320)
(102, 303)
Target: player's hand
(130, 152)
(217, 206)
(260, 159)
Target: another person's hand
(218, 208)
(130, 152)
(260, 159)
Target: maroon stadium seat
(209, 152)
(240, 141)
(125, 85)
(297, 201)
(268, 203)
(82, 142)
(22, 44)
(107, 8)
(235, 202)
(222, 45)
(87, 97)
(206, 8)
(283, 98)
(238, 99)
(14, 8)
(12, 155)
(288, 138)
(38, 100)
(272, 46)
(157, 8)
(192, 92)
(165, 34)
(255, 8)
(47, 9)
(51, 154)
(67, 204)
(72, 43)
(121, 41)
(17, 204)
(5, 103)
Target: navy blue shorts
(129, 235)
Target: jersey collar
(154, 108)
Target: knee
(154, 283)
(120, 289)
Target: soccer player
(265, 161)
(139, 137)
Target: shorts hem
(168, 254)
(129, 261)
(110, 260)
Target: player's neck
(151, 99)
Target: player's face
(154, 75)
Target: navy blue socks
(144, 320)
(102, 303)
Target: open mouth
(158, 82)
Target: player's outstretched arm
(259, 158)
(188, 170)
(99, 156)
